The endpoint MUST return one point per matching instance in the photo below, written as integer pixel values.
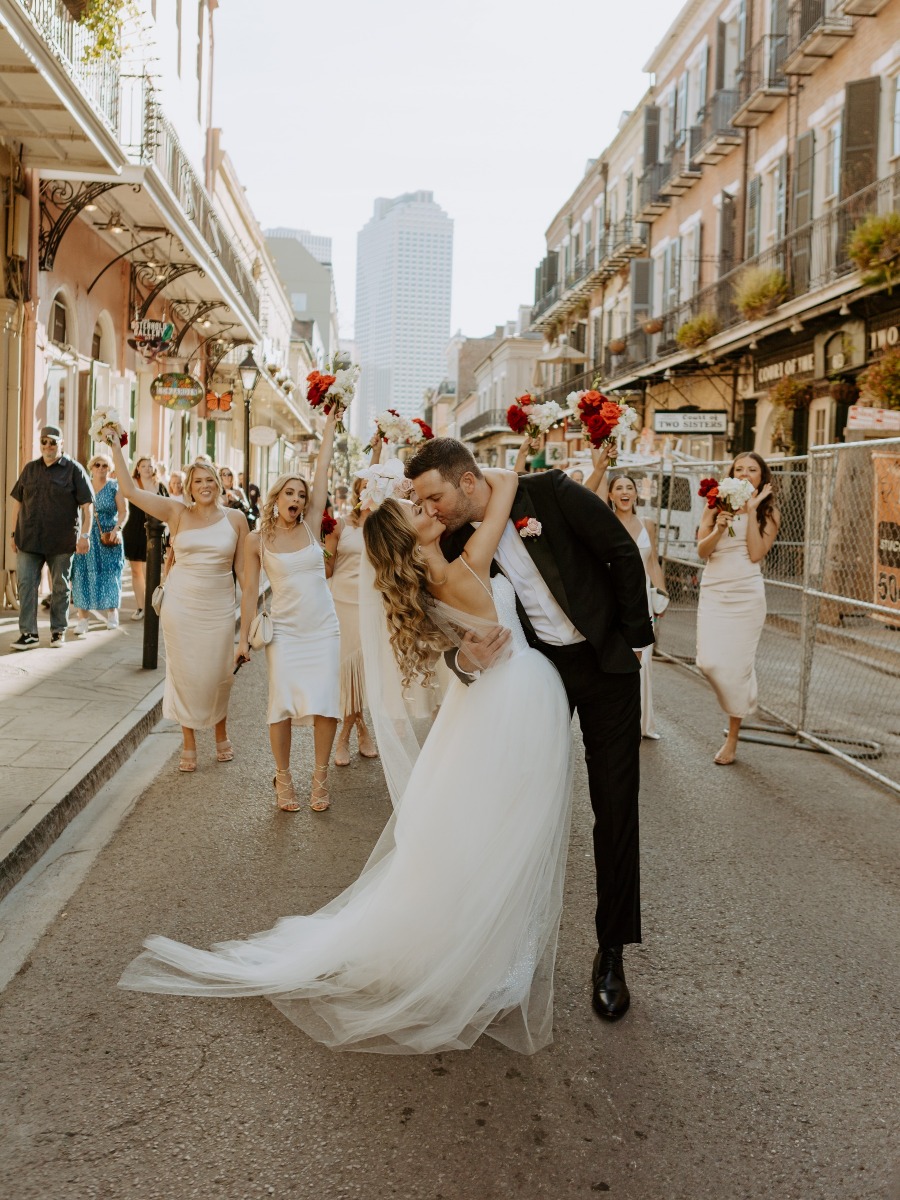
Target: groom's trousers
(609, 712)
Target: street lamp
(249, 373)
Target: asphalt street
(758, 1059)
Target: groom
(581, 595)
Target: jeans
(28, 570)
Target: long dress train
(450, 931)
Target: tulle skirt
(450, 931)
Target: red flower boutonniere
(528, 527)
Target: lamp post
(249, 373)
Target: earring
(275, 511)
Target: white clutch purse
(659, 601)
(260, 631)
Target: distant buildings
(317, 244)
(308, 280)
(403, 283)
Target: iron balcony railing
(652, 182)
(717, 116)
(615, 245)
(763, 68)
(578, 381)
(68, 41)
(491, 421)
(809, 17)
(810, 258)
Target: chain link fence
(828, 662)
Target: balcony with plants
(817, 29)
(762, 81)
(860, 237)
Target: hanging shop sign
(691, 422)
(799, 363)
(882, 333)
(887, 530)
(176, 390)
(263, 435)
(882, 420)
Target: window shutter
(742, 31)
(672, 272)
(641, 289)
(779, 17)
(803, 210)
(781, 199)
(703, 71)
(859, 149)
(694, 266)
(811, 13)
(629, 197)
(721, 52)
(681, 116)
(751, 241)
(651, 136)
(538, 283)
(726, 234)
(552, 272)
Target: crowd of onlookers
(74, 530)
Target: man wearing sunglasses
(52, 514)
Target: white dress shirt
(549, 621)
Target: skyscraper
(404, 265)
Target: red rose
(706, 486)
(329, 524)
(597, 427)
(318, 386)
(123, 439)
(427, 431)
(525, 398)
(516, 418)
(591, 402)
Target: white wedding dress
(450, 931)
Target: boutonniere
(528, 527)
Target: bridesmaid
(623, 495)
(345, 547)
(197, 616)
(97, 575)
(134, 533)
(304, 655)
(732, 608)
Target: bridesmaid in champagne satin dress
(197, 616)
(732, 609)
(304, 654)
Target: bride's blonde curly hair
(402, 579)
(268, 516)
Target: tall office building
(404, 263)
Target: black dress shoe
(609, 995)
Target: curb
(32, 835)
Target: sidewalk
(69, 718)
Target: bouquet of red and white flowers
(727, 495)
(602, 418)
(534, 417)
(402, 431)
(333, 388)
(107, 424)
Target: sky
(494, 106)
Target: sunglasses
(49, 441)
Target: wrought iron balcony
(683, 168)
(762, 81)
(810, 258)
(718, 135)
(486, 423)
(817, 29)
(653, 203)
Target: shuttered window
(641, 290)
(721, 54)
(751, 239)
(651, 135)
(895, 115)
(671, 274)
(726, 234)
(779, 199)
(803, 209)
(859, 160)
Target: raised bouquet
(603, 418)
(402, 431)
(107, 424)
(332, 388)
(726, 495)
(383, 480)
(527, 415)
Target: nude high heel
(319, 799)
(285, 796)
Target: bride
(450, 930)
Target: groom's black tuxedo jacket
(590, 563)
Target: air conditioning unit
(17, 232)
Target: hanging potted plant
(874, 246)
(844, 391)
(759, 290)
(652, 325)
(104, 20)
(693, 333)
(790, 394)
(616, 345)
(881, 380)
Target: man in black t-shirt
(52, 515)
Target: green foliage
(104, 20)
(790, 394)
(874, 245)
(692, 334)
(758, 290)
(882, 380)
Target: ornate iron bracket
(218, 354)
(124, 254)
(213, 337)
(69, 199)
(203, 309)
(163, 276)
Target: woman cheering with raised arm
(732, 608)
(197, 616)
(303, 656)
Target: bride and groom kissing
(536, 594)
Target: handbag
(659, 601)
(110, 537)
(260, 631)
(159, 594)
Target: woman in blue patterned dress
(97, 575)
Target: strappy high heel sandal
(367, 748)
(285, 796)
(224, 751)
(342, 754)
(188, 761)
(319, 800)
